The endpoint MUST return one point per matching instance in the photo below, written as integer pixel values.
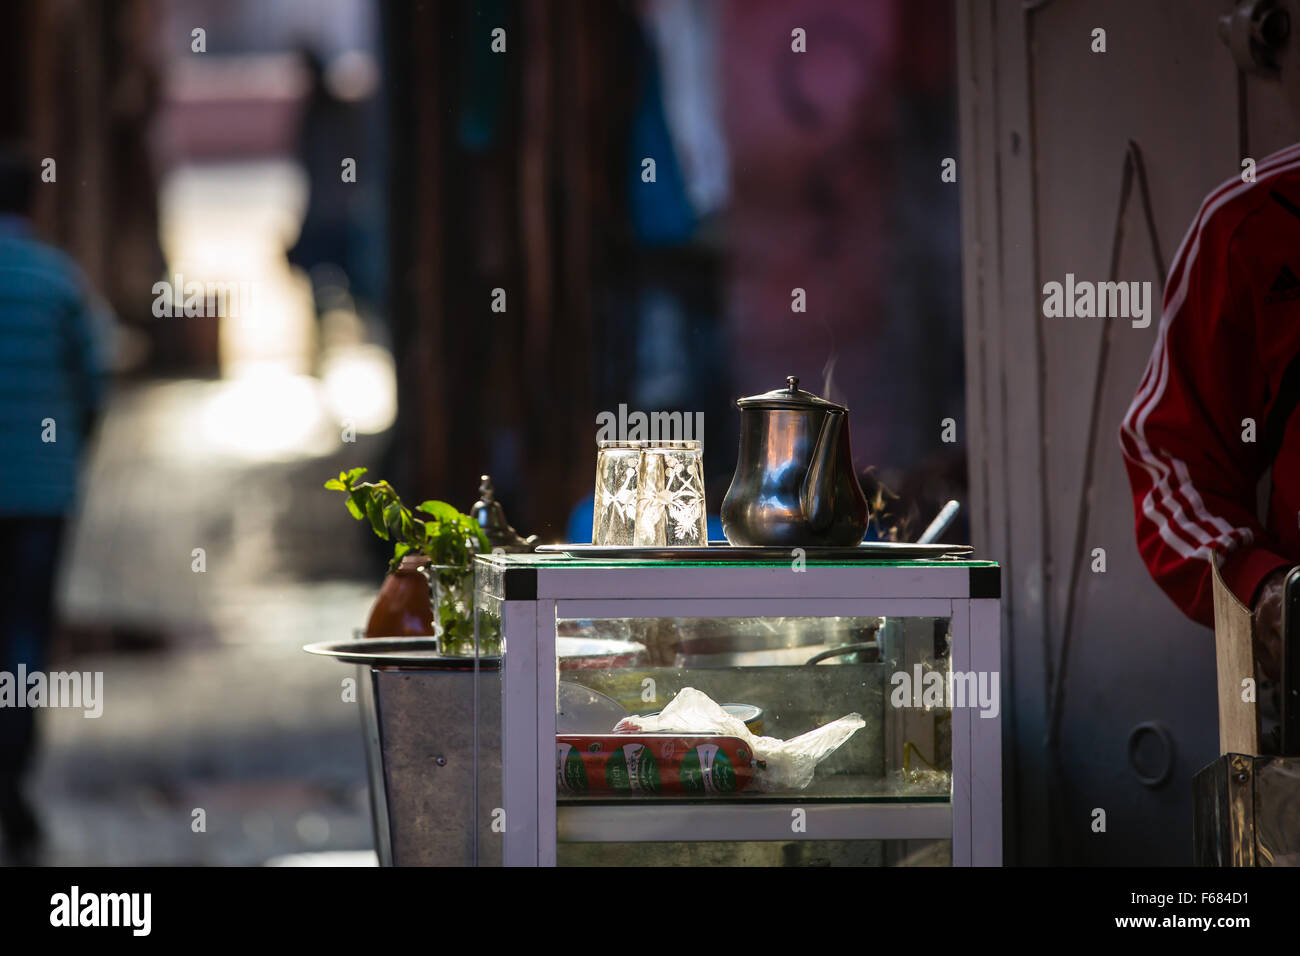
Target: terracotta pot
(403, 607)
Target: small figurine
(491, 518)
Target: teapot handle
(818, 492)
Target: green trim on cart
(561, 561)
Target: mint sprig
(433, 528)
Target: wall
(1046, 124)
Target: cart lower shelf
(586, 821)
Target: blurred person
(329, 133)
(1216, 410)
(51, 375)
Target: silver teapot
(794, 483)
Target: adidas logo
(1284, 288)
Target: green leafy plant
(448, 538)
(433, 528)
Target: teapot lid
(792, 396)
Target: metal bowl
(756, 642)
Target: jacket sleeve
(1190, 437)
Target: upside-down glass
(670, 508)
(613, 518)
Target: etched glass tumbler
(670, 508)
(613, 518)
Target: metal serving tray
(721, 551)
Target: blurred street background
(365, 333)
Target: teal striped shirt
(51, 372)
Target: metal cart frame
(535, 591)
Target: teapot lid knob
(789, 397)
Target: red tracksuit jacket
(1228, 350)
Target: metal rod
(940, 523)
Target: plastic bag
(782, 764)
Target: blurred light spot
(352, 76)
(361, 387)
(313, 829)
(268, 417)
(333, 858)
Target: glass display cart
(912, 647)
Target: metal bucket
(434, 769)
(1246, 811)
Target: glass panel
(783, 677)
(487, 718)
(555, 560)
(767, 853)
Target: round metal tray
(721, 551)
(422, 652)
(413, 652)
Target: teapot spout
(818, 492)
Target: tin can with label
(652, 764)
(632, 768)
(570, 771)
(706, 769)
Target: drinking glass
(670, 508)
(613, 518)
